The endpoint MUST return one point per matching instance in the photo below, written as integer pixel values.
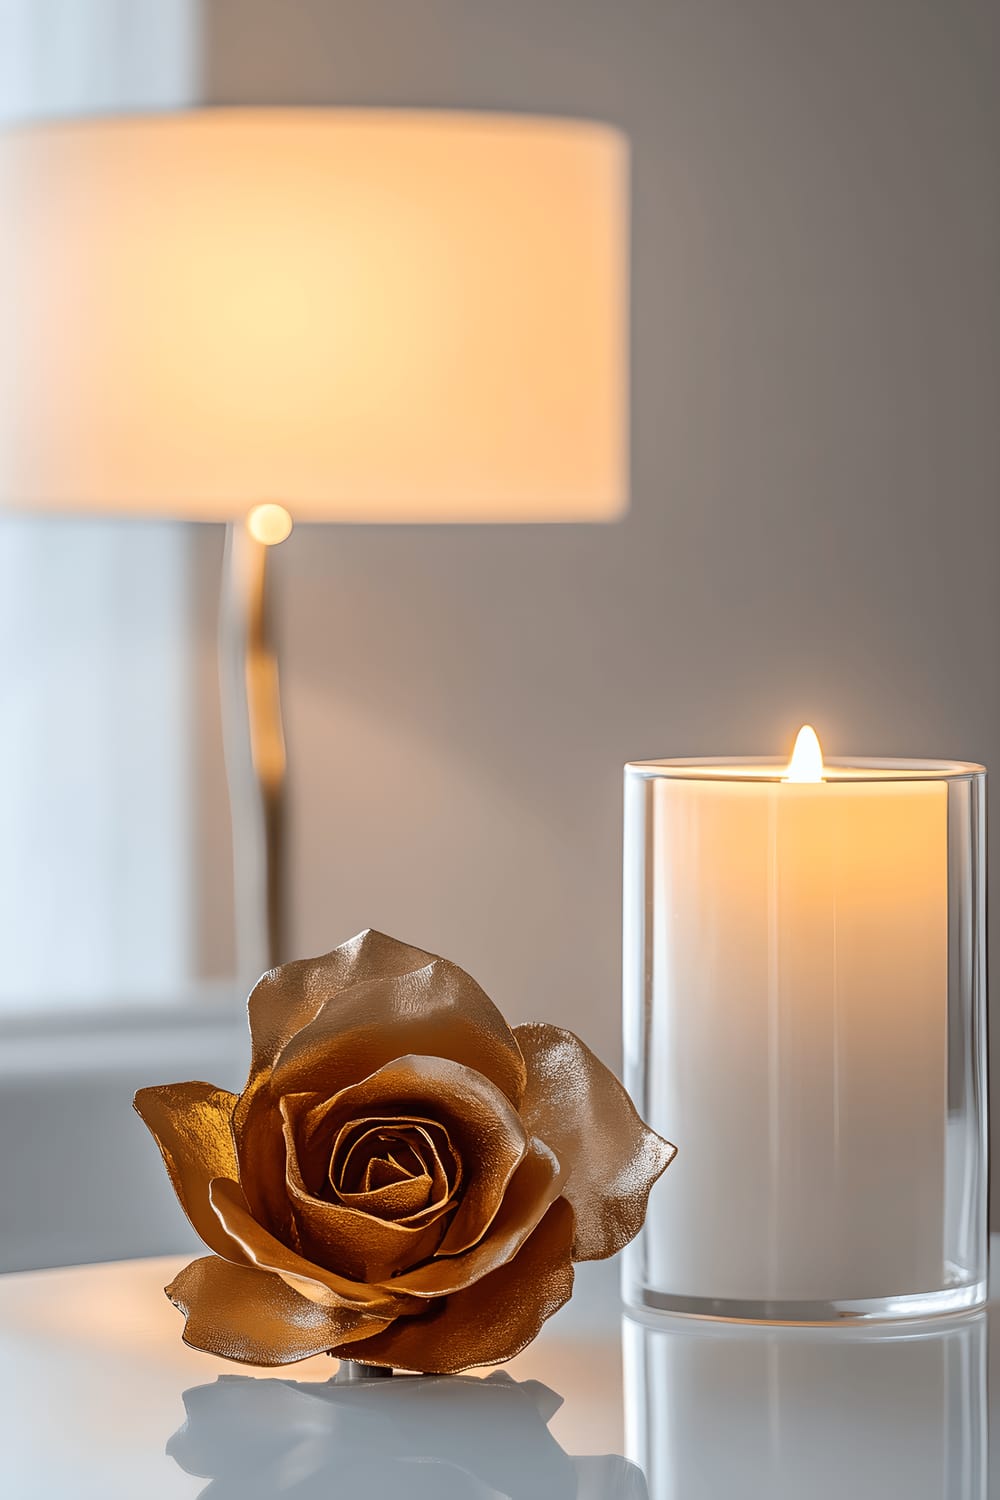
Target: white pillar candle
(787, 1001)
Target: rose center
(395, 1169)
(376, 1158)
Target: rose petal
(435, 1011)
(398, 1199)
(313, 1282)
(483, 1125)
(260, 1151)
(354, 1242)
(190, 1122)
(432, 1144)
(238, 1312)
(287, 998)
(378, 1176)
(359, 1245)
(533, 1187)
(380, 1154)
(385, 1181)
(388, 1201)
(283, 1001)
(306, 1143)
(369, 1001)
(490, 1322)
(609, 1157)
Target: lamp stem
(254, 744)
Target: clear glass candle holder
(805, 1018)
(867, 1411)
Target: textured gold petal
(533, 1187)
(361, 1246)
(260, 1150)
(412, 1196)
(490, 1322)
(379, 1175)
(610, 1159)
(381, 1153)
(238, 1312)
(430, 1140)
(346, 1014)
(484, 1128)
(287, 998)
(435, 1011)
(282, 1002)
(190, 1123)
(318, 1285)
(445, 1179)
(368, 1154)
(353, 1242)
(395, 1200)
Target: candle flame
(806, 763)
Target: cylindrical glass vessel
(805, 1017)
(863, 1411)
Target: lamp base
(352, 1370)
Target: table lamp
(260, 315)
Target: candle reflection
(422, 1437)
(714, 1410)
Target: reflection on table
(716, 1410)
(418, 1437)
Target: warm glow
(377, 315)
(806, 763)
(269, 524)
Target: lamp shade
(367, 315)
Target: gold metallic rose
(404, 1180)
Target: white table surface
(96, 1386)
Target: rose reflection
(425, 1438)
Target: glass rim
(837, 769)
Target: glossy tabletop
(99, 1398)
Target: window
(97, 755)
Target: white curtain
(60, 57)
